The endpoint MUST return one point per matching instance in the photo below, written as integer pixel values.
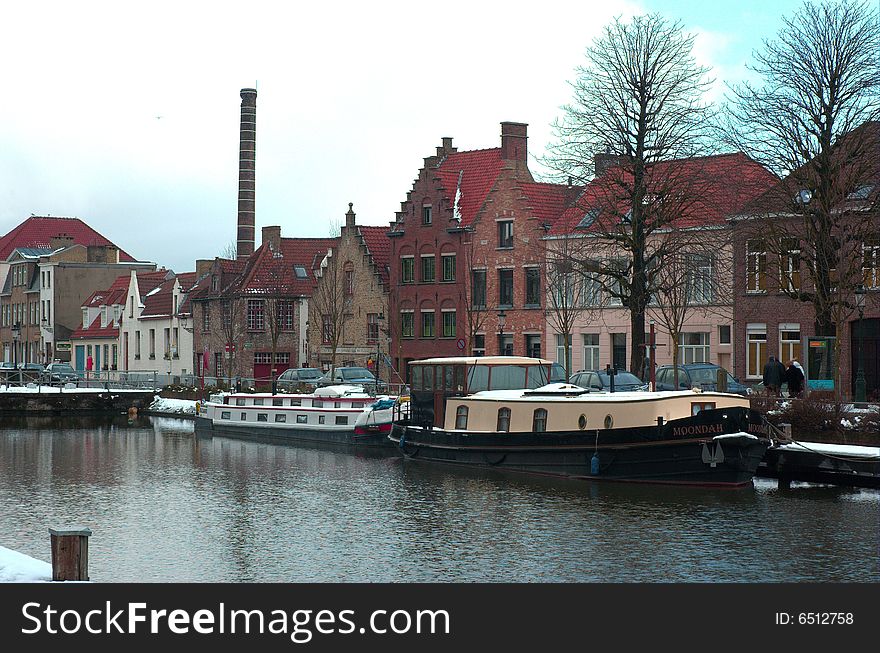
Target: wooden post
(70, 553)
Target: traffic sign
(460, 344)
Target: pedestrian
(795, 377)
(89, 365)
(774, 372)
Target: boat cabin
(434, 380)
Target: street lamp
(16, 336)
(379, 319)
(860, 374)
(502, 318)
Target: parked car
(7, 365)
(61, 373)
(32, 369)
(295, 378)
(600, 381)
(699, 375)
(352, 376)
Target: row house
(251, 315)
(466, 260)
(698, 194)
(59, 263)
(95, 344)
(349, 304)
(775, 268)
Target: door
(80, 358)
(618, 351)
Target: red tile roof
(379, 247)
(547, 201)
(37, 231)
(477, 171)
(267, 271)
(714, 188)
(94, 330)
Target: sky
(126, 115)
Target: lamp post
(651, 349)
(502, 318)
(379, 319)
(860, 390)
(16, 336)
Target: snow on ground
(850, 450)
(32, 388)
(181, 406)
(16, 567)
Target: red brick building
(465, 248)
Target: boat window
(539, 421)
(428, 377)
(696, 407)
(281, 418)
(447, 378)
(321, 419)
(416, 377)
(258, 401)
(302, 419)
(609, 421)
(337, 404)
(537, 376)
(459, 378)
(317, 403)
(557, 373)
(507, 377)
(277, 402)
(262, 417)
(342, 419)
(225, 415)
(478, 378)
(582, 422)
(243, 417)
(239, 401)
(503, 420)
(461, 416)
(296, 402)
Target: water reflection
(166, 506)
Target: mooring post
(786, 430)
(70, 553)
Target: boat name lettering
(697, 429)
(757, 428)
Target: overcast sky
(126, 114)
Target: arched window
(539, 421)
(461, 416)
(503, 420)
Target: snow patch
(17, 567)
(180, 406)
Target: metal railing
(109, 379)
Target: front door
(80, 358)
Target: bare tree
(231, 306)
(637, 102)
(473, 289)
(230, 251)
(812, 120)
(328, 305)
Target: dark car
(352, 376)
(61, 373)
(600, 381)
(697, 375)
(32, 369)
(296, 378)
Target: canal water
(164, 506)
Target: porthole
(609, 421)
(582, 422)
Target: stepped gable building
(48, 267)
(466, 260)
(775, 258)
(704, 191)
(238, 315)
(351, 296)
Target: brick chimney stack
(246, 173)
(350, 216)
(604, 160)
(272, 237)
(514, 138)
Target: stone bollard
(70, 553)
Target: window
(152, 343)
(206, 318)
(426, 214)
(699, 406)
(300, 272)
(461, 417)
(285, 310)
(693, 348)
(174, 349)
(533, 346)
(341, 420)
(756, 266)
(328, 329)
(256, 315)
(276, 401)
(756, 350)
(790, 266)
(724, 334)
(218, 364)
(258, 401)
(563, 353)
(407, 269)
(563, 292)
(533, 287)
(503, 420)
(428, 268)
(322, 419)
(789, 342)
(262, 357)
(505, 233)
(372, 327)
(699, 280)
(427, 324)
(166, 341)
(448, 267)
(282, 357)
(539, 420)
(243, 417)
(479, 348)
(448, 324)
(226, 414)
(280, 418)
(349, 280)
(478, 288)
(302, 419)
(407, 329)
(591, 351)
(871, 262)
(262, 417)
(505, 288)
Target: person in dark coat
(774, 373)
(795, 378)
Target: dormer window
(85, 318)
(300, 272)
